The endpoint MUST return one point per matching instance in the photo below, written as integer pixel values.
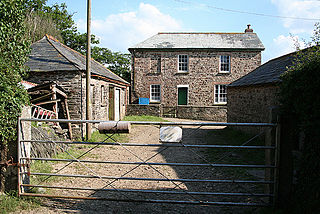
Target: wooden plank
(55, 89)
(68, 117)
(48, 102)
(42, 97)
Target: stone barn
(52, 61)
(251, 97)
(190, 72)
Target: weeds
(11, 202)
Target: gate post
(271, 139)
(24, 149)
(285, 178)
(9, 177)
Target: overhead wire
(250, 13)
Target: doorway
(182, 95)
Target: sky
(280, 24)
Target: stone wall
(212, 113)
(203, 74)
(251, 104)
(135, 109)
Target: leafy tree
(117, 62)
(300, 94)
(14, 49)
(39, 24)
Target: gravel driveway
(149, 135)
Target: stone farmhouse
(50, 61)
(189, 72)
(251, 97)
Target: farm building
(188, 73)
(51, 61)
(251, 97)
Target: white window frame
(152, 96)
(221, 64)
(218, 93)
(181, 63)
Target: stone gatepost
(9, 153)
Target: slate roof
(201, 41)
(48, 54)
(268, 73)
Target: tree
(14, 49)
(39, 24)
(300, 96)
(117, 62)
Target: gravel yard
(148, 135)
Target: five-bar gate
(151, 171)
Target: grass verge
(10, 202)
(144, 118)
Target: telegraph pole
(88, 73)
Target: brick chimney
(248, 29)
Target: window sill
(182, 72)
(224, 72)
(155, 102)
(220, 104)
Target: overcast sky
(123, 23)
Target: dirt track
(150, 135)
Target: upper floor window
(155, 93)
(224, 64)
(155, 64)
(220, 94)
(183, 63)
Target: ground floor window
(155, 93)
(220, 94)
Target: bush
(300, 94)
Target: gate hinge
(10, 162)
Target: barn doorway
(117, 105)
(114, 103)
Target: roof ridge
(283, 56)
(54, 39)
(200, 33)
(81, 55)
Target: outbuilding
(52, 61)
(251, 97)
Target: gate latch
(10, 162)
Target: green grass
(98, 137)
(229, 136)
(10, 203)
(144, 118)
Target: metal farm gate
(181, 172)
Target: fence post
(270, 140)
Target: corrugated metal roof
(267, 73)
(48, 54)
(202, 41)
